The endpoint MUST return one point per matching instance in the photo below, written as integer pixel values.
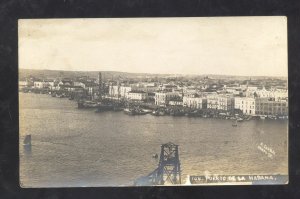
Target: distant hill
(23, 73)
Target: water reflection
(27, 149)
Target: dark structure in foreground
(168, 171)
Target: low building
(137, 95)
(245, 104)
(265, 106)
(71, 88)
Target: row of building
(249, 99)
(249, 105)
(64, 84)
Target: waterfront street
(78, 147)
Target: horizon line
(181, 74)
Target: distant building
(137, 95)
(79, 83)
(25, 83)
(65, 82)
(245, 104)
(168, 87)
(40, 84)
(71, 88)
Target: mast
(100, 85)
(118, 85)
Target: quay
(215, 100)
(141, 108)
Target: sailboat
(27, 140)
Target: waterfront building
(114, 91)
(25, 83)
(124, 90)
(71, 88)
(163, 98)
(40, 84)
(225, 102)
(195, 102)
(271, 107)
(220, 102)
(245, 104)
(212, 101)
(137, 95)
(176, 103)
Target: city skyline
(238, 46)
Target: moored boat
(87, 104)
(129, 111)
(240, 119)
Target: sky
(248, 46)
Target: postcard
(191, 101)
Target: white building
(163, 98)
(245, 104)
(220, 102)
(176, 103)
(124, 90)
(195, 102)
(212, 101)
(114, 91)
(137, 95)
(225, 102)
(25, 83)
(40, 84)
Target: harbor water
(77, 147)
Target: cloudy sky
(215, 45)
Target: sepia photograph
(182, 101)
